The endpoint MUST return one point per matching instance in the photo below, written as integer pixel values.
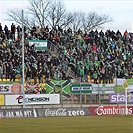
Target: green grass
(85, 124)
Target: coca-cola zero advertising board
(44, 112)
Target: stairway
(54, 50)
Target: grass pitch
(86, 124)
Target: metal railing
(58, 52)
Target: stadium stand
(94, 56)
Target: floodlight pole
(80, 92)
(116, 80)
(99, 94)
(126, 101)
(23, 78)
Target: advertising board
(73, 111)
(46, 112)
(13, 113)
(1, 99)
(10, 88)
(34, 99)
(120, 98)
(110, 110)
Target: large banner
(110, 110)
(103, 88)
(10, 88)
(34, 99)
(46, 112)
(120, 98)
(66, 87)
(119, 81)
(39, 44)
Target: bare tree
(52, 13)
(58, 16)
(36, 13)
(16, 15)
(93, 20)
(39, 9)
(42, 13)
(77, 20)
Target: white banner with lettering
(119, 81)
(10, 88)
(32, 99)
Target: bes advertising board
(10, 88)
(34, 99)
(110, 110)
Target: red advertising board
(110, 110)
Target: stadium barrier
(69, 93)
(47, 112)
(65, 111)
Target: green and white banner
(58, 87)
(66, 88)
(39, 44)
(103, 88)
(81, 88)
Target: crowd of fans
(101, 55)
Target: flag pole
(23, 79)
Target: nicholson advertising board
(34, 99)
(110, 110)
(10, 88)
(120, 98)
(46, 112)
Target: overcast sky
(120, 10)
